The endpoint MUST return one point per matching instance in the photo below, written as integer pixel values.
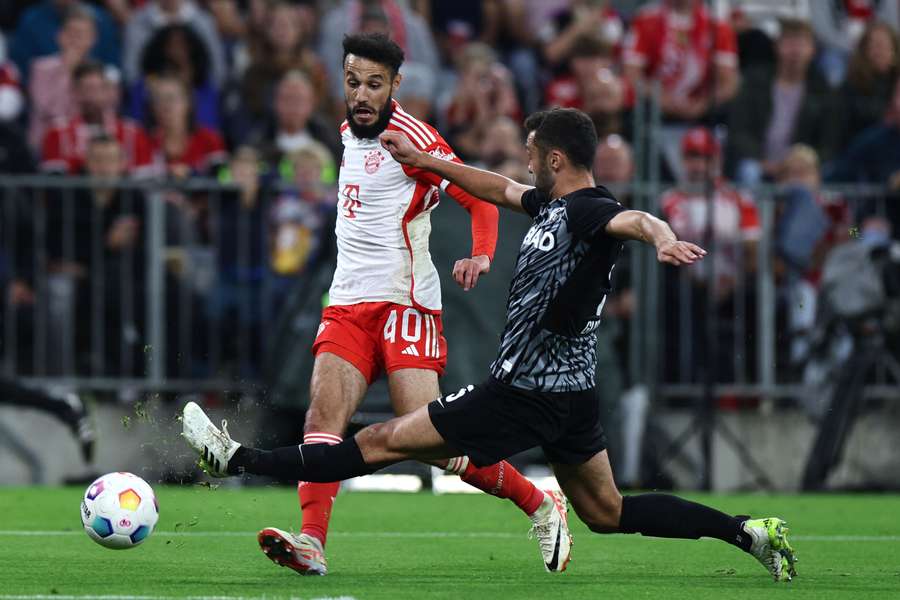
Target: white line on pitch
(428, 534)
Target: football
(119, 510)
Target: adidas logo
(410, 351)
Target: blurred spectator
(483, 93)
(15, 155)
(231, 26)
(731, 237)
(502, 150)
(405, 27)
(155, 15)
(107, 281)
(605, 96)
(12, 101)
(37, 31)
(299, 215)
(176, 51)
(736, 226)
(502, 142)
(840, 24)
(770, 114)
(614, 162)
(517, 43)
(809, 224)
(560, 35)
(282, 47)
(589, 59)
(295, 127)
(455, 24)
(50, 81)
(692, 54)
(873, 156)
(178, 141)
(237, 297)
(756, 49)
(873, 71)
(65, 145)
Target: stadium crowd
(250, 92)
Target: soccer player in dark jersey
(541, 388)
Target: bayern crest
(373, 161)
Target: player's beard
(374, 130)
(543, 177)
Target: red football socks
(317, 499)
(502, 480)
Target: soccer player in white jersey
(384, 313)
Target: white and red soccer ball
(119, 510)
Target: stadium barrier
(190, 302)
(198, 303)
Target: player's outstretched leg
(593, 493)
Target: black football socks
(320, 463)
(666, 516)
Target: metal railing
(189, 303)
(138, 284)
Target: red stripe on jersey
(411, 134)
(344, 126)
(417, 125)
(415, 208)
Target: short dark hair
(376, 47)
(89, 67)
(565, 129)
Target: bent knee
(604, 515)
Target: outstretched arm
(485, 185)
(644, 227)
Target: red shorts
(382, 336)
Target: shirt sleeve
(589, 215)
(637, 47)
(484, 215)
(52, 159)
(726, 46)
(532, 201)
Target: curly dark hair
(155, 61)
(376, 47)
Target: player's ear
(395, 85)
(556, 160)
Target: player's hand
(467, 270)
(679, 253)
(400, 147)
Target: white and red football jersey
(736, 221)
(384, 220)
(679, 50)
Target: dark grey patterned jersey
(558, 290)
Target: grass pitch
(422, 546)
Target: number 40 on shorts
(411, 325)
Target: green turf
(382, 547)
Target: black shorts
(492, 421)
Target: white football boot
(302, 553)
(214, 446)
(551, 528)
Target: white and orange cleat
(551, 528)
(302, 553)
